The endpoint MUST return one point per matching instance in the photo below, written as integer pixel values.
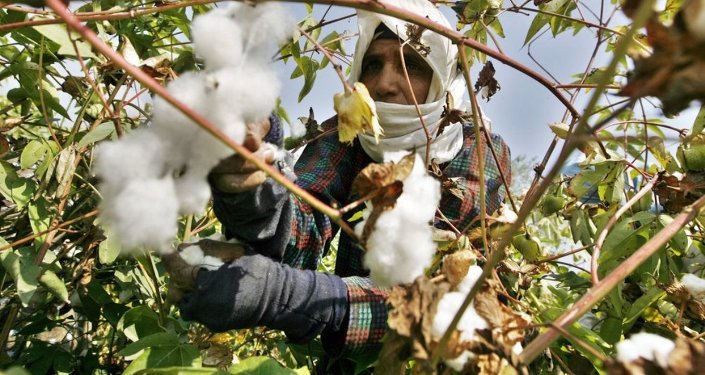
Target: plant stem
(604, 287)
(107, 15)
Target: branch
(107, 14)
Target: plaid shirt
(327, 169)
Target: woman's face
(383, 73)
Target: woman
(276, 286)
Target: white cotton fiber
(267, 25)
(471, 321)
(136, 156)
(645, 345)
(144, 213)
(695, 286)
(217, 39)
(194, 256)
(153, 174)
(192, 192)
(252, 89)
(400, 246)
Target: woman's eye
(369, 67)
(415, 66)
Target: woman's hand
(234, 174)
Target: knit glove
(256, 291)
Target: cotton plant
(158, 172)
(400, 246)
(469, 323)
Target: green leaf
(260, 366)
(160, 339)
(65, 167)
(679, 242)
(542, 20)
(23, 271)
(699, 123)
(611, 329)
(625, 237)
(55, 285)
(181, 371)
(59, 34)
(309, 68)
(99, 133)
(32, 152)
(39, 217)
(637, 308)
(181, 355)
(140, 321)
(108, 250)
(15, 188)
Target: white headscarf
(403, 129)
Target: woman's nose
(387, 85)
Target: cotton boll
(694, 285)
(192, 191)
(400, 246)
(645, 345)
(252, 90)
(470, 279)
(266, 25)
(458, 363)
(136, 156)
(398, 251)
(469, 323)
(218, 39)
(194, 256)
(144, 213)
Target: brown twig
(107, 15)
(59, 226)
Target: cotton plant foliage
(152, 175)
(399, 243)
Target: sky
(521, 111)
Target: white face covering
(403, 129)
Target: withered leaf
(456, 265)
(382, 185)
(413, 34)
(412, 310)
(677, 193)
(486, 79)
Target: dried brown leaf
(486, 79)
(456, 265)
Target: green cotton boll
(692, 158)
